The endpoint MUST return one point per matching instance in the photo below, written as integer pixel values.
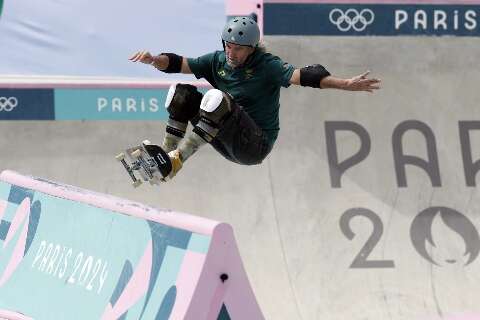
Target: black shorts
(241, 140)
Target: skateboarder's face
(236, 54)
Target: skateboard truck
(121, 158)
(151, 161)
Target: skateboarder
(240, 116)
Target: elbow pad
(310, 76)
(174, 63)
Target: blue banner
(26, 104)
(371, 19)
(110, 104)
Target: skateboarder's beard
(233, 63)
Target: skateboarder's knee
(215, 107)
(183, 102)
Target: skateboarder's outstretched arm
(161, 61)
(357, 83)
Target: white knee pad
(211, 100)
(171, 92)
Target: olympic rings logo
(8, 104)
(351, 19)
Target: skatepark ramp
(68, 253)
(367, 208)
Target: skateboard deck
(146, 162)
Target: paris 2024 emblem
(423, 240)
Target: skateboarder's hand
(142, 56)
(362, 83)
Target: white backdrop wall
(95, 38)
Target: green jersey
(255, 85)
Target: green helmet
(241, 30)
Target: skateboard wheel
(137, 153)
(120, 156)
(137, 183)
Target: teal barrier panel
(68, 253)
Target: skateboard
(150, 161)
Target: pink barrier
(45, 83)
(206, 281)
(244, 8)
(10, 315)
(175, 219)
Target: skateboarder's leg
(228, 129)
(182, 104)
(214, 108)
(241, 140)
